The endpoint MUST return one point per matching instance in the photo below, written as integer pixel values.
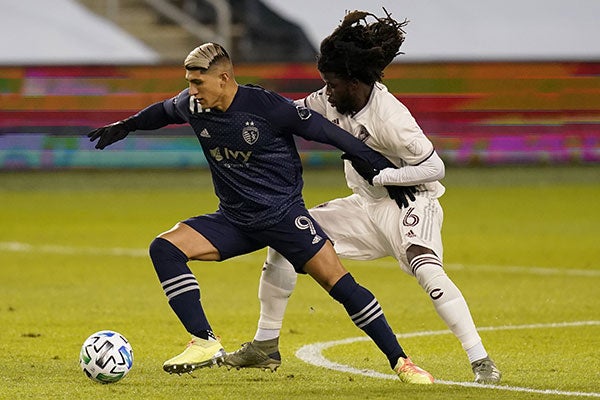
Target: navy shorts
(298, 237)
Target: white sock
(476, 352)
(266, 334)
(449, 303)
(277, 282)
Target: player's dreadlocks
(361, 50)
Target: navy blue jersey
(255, 166)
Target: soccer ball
(106, 357)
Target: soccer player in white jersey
(382, 217)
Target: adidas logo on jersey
(316, 239)
(204, 133)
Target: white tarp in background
(64, 32)
(53, 32)
(469, 29)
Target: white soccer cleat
(485, 371)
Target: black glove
(364, 169)
(402, 194)
(109, 134)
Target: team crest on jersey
(363, 134)
(303, 112)
(250, 132)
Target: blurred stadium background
(510, 83)
(506, 90)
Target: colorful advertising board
(475, 113)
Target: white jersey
(385, 125)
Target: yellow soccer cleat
(199, 353)
(410, 373)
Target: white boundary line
(21, 247)
(526, 270)
(312, 354)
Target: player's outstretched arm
(150, 118)
(109, 134)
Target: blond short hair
(202, 57)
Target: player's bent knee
(280, 277)
(415, 250)
(436, 283)
(280, 273)
(161, 250)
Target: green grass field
(523, 245)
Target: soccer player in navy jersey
(246, 134)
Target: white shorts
(362, 230)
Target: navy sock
(366, 313)
(180, 287)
